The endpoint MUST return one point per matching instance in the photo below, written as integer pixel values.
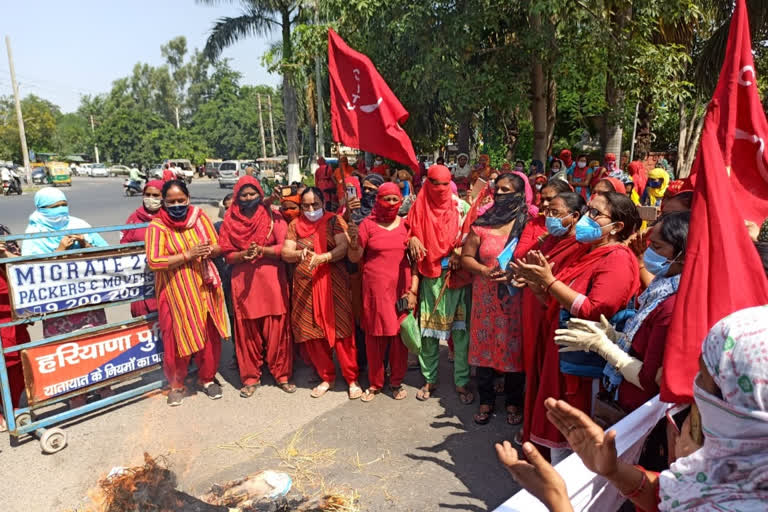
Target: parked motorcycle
(131, 188)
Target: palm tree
(262, 18)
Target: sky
(63, 49)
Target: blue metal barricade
(20, 420)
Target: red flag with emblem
(365, 113)
(722, 272)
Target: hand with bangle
(320, 259)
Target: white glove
(583, 335)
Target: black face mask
(250, 205)
(368, 199)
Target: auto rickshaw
(59, 174)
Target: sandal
(466, 397)
(425, 392)
(514, 416)
(248, 390)
(483, 417)
(369, 394)
(320, 389)
(399, 393)
(355, 391)
(288, 387)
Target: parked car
(81, 170)
(212, 168)
(156, 173)
(119, 170)
(231, 170)
(98, 171)
(39, 176)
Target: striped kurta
(302, 312)
(189, 298)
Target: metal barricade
(21, 420)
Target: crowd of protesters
(552, 284)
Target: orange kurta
(189, 298)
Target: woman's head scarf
(538, 165)
(434, 220)
(567, 157)
(730, 472)
(656, 194)
(240, 228)
(367, 199)
(617, 184)
(506, 207)
(533, 210)
(636, 170)
(384, 211)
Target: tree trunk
(290, 104)
(312, 121)
(539, 109)
(614, 96)
(551, 113)
(465, 128)
(643, 137)
(690, 133)
(511, 133)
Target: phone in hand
(288, 191)
(351, 192)
(648, 213)
(401, 306)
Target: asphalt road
(398, 456)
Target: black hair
(622, 209)
(560, 186)
(674, 230)
(227, 197)
(168, 185)
(762, 251)
(516, 209)
(519, 162)
(316, 191)
(574, 202)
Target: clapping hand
(201, 250)
(253, 252)
(595, 447)
(318, 259)
(537, 475)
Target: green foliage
(39, 124)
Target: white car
(98, 171)
(156, 173)
(119, 170)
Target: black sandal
(515, 416)
(483, 417)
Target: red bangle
(546, 290)
(640, 487)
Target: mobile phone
(648, 213)
(401, 306)
(288, 191)
(351, 192)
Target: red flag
(722, 271)
(365, 113)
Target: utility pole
(271, 126)
(319, 88)
(261, 130)
(177, 118)
(95, 147)
(19, 117)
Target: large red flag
(722, 271)
(365, 113)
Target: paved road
(398, 456)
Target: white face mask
(153, 203)
(378, 162)
(582, 165)
(314, 215)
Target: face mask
(539, 186)
(609, 165)
(57, 215)
(368, 199)
(655, 263)
(314, 216)
(581, 165)
(378, 162)
(654, 183)
(588, 230)
(177, 211)
(555, 169)
(249, 205)
(385, 211)
(153, 204)
(519, 168)
(555, 226)
(290, 215)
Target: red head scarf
(383, 211)
(290, 215)
(566, 157)
(610, 157)
(617, 185)
(238, 230)
(639, 175)
(158, 184)
(141, 214)
(434, 220)
(322, 292)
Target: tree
(262, 17)
(40, 118)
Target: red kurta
(11, 336)
(139, 216)
(607, 285)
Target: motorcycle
(131, 188)
(11, 183)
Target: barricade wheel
(23, 419)
(53, 440)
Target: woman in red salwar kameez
(380, 242)
(251, 240)
(599, 283)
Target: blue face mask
(177, 211)
(588, 230)
(655, 263)
(56, 217)
(555, 226)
